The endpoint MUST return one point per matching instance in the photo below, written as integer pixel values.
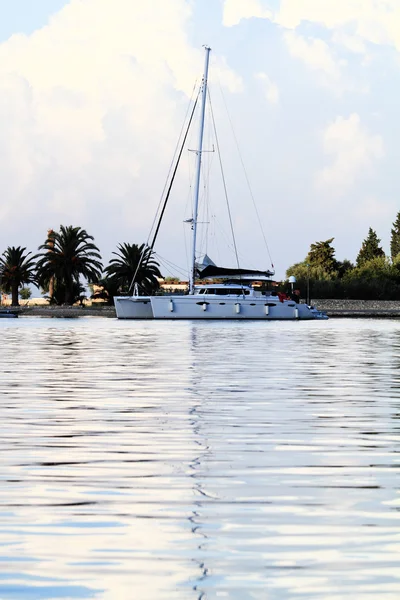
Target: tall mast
(198, 168)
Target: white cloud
(271, 90)
(236, 10)
(375, 21)
(356, 26)
(91, 106)
(354, 152)
(90, 109)
(315, 53)
(330, 13)
(352, 43)
(318, 56)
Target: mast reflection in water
(199, 460)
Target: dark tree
(106, 289)
(58, 292)
(16, 268)
(370, 248)
(395, 238)
(25, 293)
(67, 255)
(124, 267)
(344, 268)
(322, 256)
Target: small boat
(6, 313)
(234, 294)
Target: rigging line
(166, 199)
(206, 206)
(206, 178)
(166, 260)
(169, 269)
(190, 182)
(188, 210)
(246, 176)
(173, 175)
(204, 194)
(168, 273)
(221, 230)
(186, 250)
(172, 162)
(223, 180)
(170, 264)
(229, 244)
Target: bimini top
(212, 271)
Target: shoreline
(359, 309)
(355, 309)
(65, 311)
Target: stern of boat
(133, 307)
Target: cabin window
(224, 291)
(231, 292)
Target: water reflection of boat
(234, 298)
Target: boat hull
(194, 307)
(133, 307)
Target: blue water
(191, 460)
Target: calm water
(199, 460)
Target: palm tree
(124, 268)
(16, 268)
(56, 291)
(106, 290)
(68, 254)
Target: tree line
(374, 276)
(69, 255)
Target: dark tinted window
(226, 291)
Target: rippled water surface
(199, 460)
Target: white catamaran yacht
(235, 298)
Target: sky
(93, 94)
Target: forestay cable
(166, 197)
(223, 181)
(247, 178)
